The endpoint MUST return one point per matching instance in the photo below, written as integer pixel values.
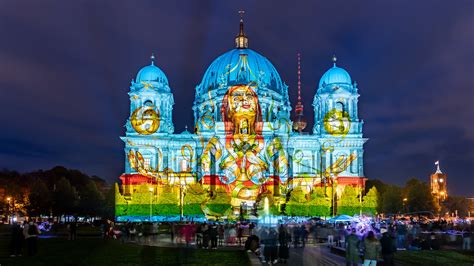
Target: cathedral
(246, 153)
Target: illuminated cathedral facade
(244, 145)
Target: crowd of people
(362, 240)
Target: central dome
(241, 66)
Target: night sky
(66, 67)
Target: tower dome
(335, 75)
(151, 73)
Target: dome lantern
(241, 41)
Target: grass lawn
(95, 251)
(435, 257)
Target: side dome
(151, 73)
(335, 75)
(241, 66)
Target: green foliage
(298, 195)
(65, 198)
(168, 196)
(298, 204)
(219, 204)
(349, 203)
(419, 197)
(39, 199)
(192, 209)
(91, 201)
(121, 209)
(296, 209)
(370, 201)
(456, 203)
(195, 195)
(320, 203)
(119, 199)
(392, 200)
(217, 209)
(166, 209)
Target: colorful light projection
(242, 151)
(244, 157)
(145, 120)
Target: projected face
(243, 101)
(243, 108)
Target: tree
(297, 205)
(370, 201)
(91, 200)
(39, 199)
(65, 198)
(193, 199)
(458, 204)
(219, 203)
(121, 206)
(392, 200)
(419, 197)
(320, 203)
(381, 188)
(349, 203)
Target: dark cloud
(65, 69)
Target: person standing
(199, 235)
(303, 235)
(205, 236)
(16, 243)
(466, 239)
(72, 230)
(213, 233)
(352, 248)
(371, 249)
(221, 235)
(172, 231)
(296, 236)
(31, 232)
(401, 235)
(284, 239)
(389, 248)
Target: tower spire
(299, 105)
(334, 59)
(241, 41)
(300, 122)
(438, 170)
(152, 58)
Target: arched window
(339, 106)
(148, 103)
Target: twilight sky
(66, 66)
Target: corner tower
(151, 103)
(337, 122)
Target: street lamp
(404, 204)
(151, 200)
(8, 208)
